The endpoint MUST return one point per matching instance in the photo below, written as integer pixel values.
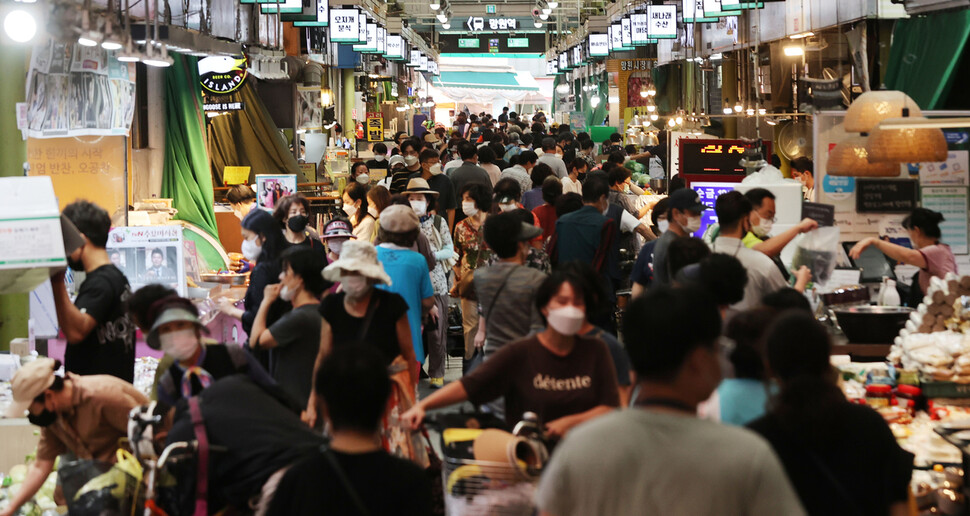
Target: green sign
(518, 42)
(490, 9)
(467, 42)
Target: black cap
(686, 199)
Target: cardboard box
(31, 242)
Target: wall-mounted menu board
(886, 195)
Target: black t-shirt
(310, 243)
(382, 332)
(864, 459)
(110, 347)
(298, 337)
(259, 429)
(386, 485)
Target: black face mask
(45, 418)
(582, 177)
(75, 265)
(297, 223)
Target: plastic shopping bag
(819, 251)
(117, 489)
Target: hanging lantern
(873, 107)
(850, 158)
(908, 145)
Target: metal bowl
(872, 324)
(228, 279)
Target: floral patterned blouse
(470, 245)
(439, 276)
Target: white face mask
(372, 210)
(410, 161)
(179, 344)
(363, 179)
(693, 224)
(420, 207)
(380, 158)
(286, 294)
(566, 320)
(469, 208)
(354, 286)
(663, 225)
(504, 208)
(350, 209)
(762, 229)
(336, 246)
(435, 169)
(250, 249)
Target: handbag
(466, 286)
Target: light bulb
(563, 88)
(538, 24)
(643, 93)
(546, 11)
(680, 120)
(738, 108)
(728, 110)
(749, 112)
(794, 50)
(652, 92)
(434, 6)
(402, 108)
(20, 26)
(762, 111)
(654, 117)
(595, 101)
(446, 25)
(442, 17)
(671, 122)
(543, 16)
(553, 4)
(87, 39)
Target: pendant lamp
(850, 158)
(910, 145)
(873, 107)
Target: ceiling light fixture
(553, 4)
(802, 35)
(537, 24)
(20, 26)
(794, 50)
(88, 37)
(111, 40)
(161, 61)
(543, 16)
(435, 5)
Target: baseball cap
(397, 159)
(29, 382)
(686, 199)
(528, 232)
(337, 228)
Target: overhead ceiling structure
(567, 15)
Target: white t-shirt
(570, 186)
(763, 275)
(639, 461)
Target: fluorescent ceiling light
(794, 51)
(801, 35)
(926, 123)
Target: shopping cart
(492, 487)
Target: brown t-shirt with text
(532, 378)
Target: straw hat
(358, 256)
(419, 186)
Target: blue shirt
(533, 198)
(584, 235)
(411, 280)
(642, 273)
(741, 400)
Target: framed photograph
(271, 188)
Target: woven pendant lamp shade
(850, 158)
(873, 107)
(906, 145)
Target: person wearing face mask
(642, 274)
(84, 415)
(362, 315)
(397, 179)
(192, 364)
(295, 336)
(571, 183)
(100, 335)
(602, 467)
(507, 194)
(733, 214)
(473, 254)
(378, 198)
(431, 173)
(550, 156)
(435, 229)
(241, 198)
(410, 150)
(359, 173)
(335, 234)
(469, 171)
(801, 171)
(566, 379)
(683, 218)
(292, 214)
(379, 161)
(586, 234)
(356, 207)
(263, 243)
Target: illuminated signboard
(344, 27)
(599, 45)
(714, 157)
(662, 21)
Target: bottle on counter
(888, 295)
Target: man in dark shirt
(504, 117)
(100, 335)
(379, 161)
(353, 475)
(468, 172)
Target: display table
(19, 439)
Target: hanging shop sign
(423, 63)
(518, 42)
(731, 5)
(639, 30)
(694, 12)
(616, 37)
(577, 56)
(415, 59)
(344, 27)
(222, 74)
(599, 45)
(362, 28)
(564, 63)
(375, 127)
(479, 24)
(662, 21)
(323, 12)
(223, 106)
(713, 8)
(285, 7)
(381, 41)
(395, 47)
(370, 45)
(626, 34)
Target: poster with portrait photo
(149, 255)
(271, 188)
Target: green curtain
(925, 55)
(185, 176)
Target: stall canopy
(484, 86)
(928, 46)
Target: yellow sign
(235, 175)
(309, 172)
(84, 167)
(375, 129)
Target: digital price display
(715, 157)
